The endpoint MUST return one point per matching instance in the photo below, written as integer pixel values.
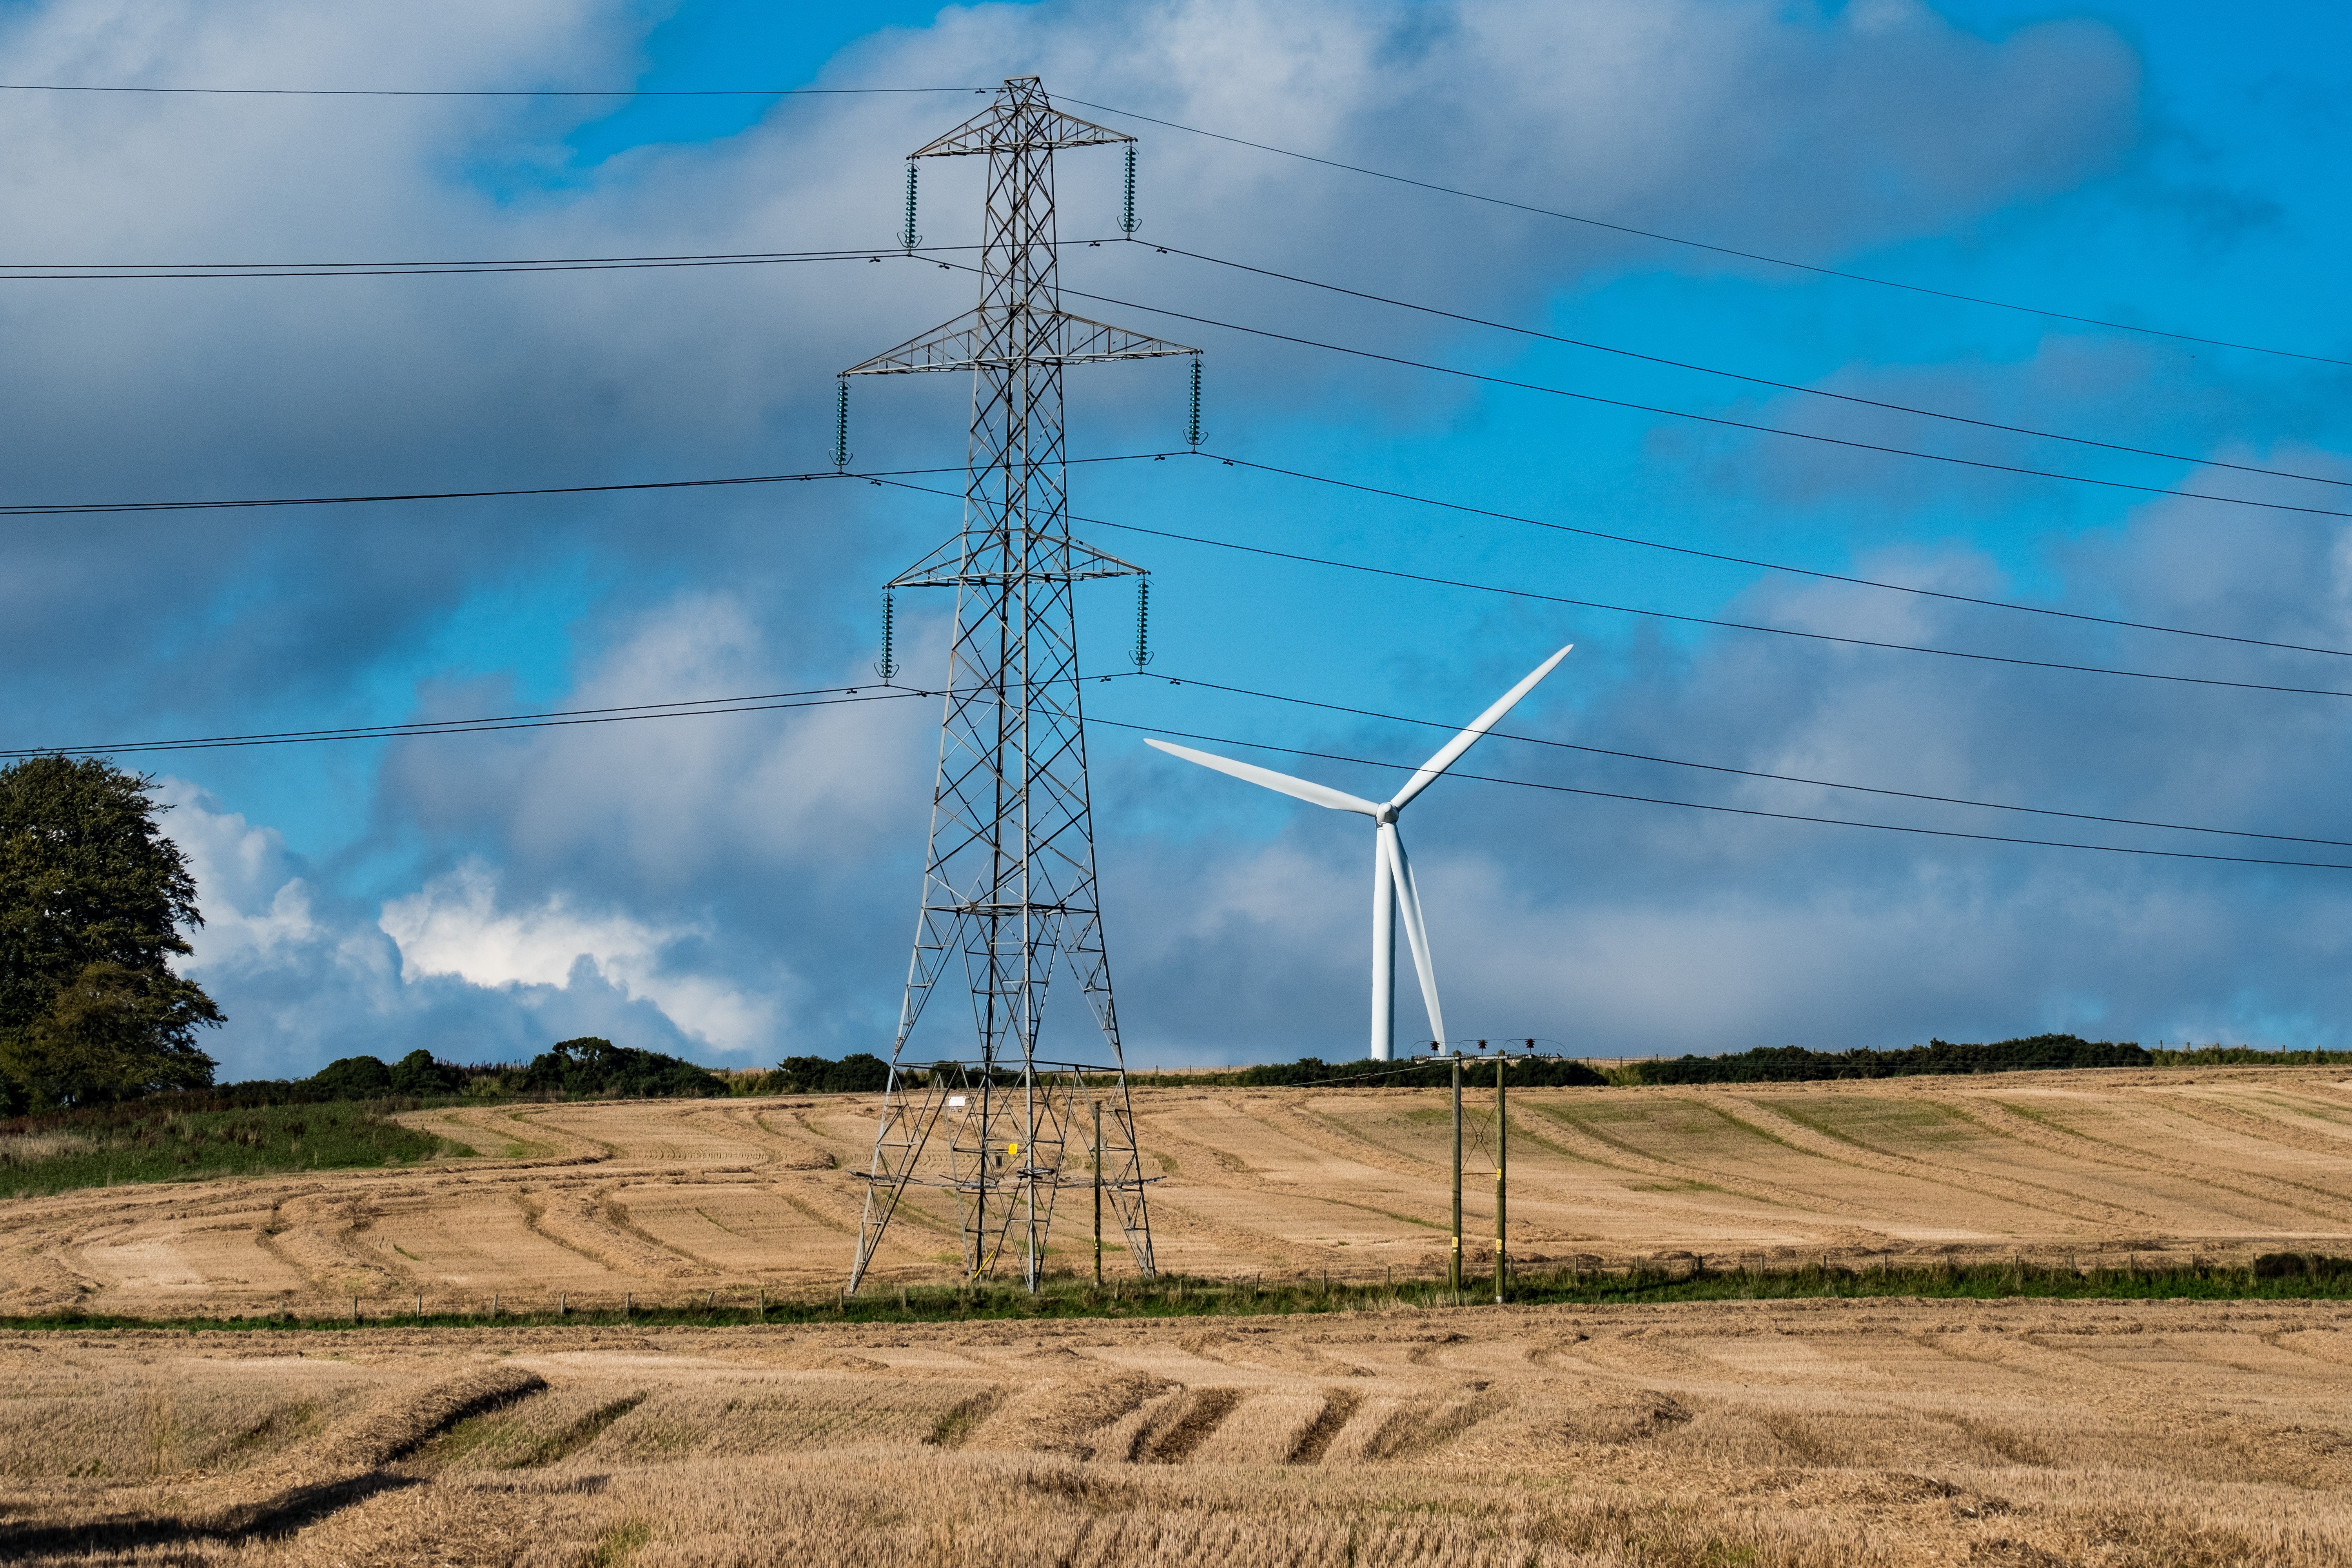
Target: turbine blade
(1300, 789)
(1451, 753)
(1416, 932)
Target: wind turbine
(1391, 868)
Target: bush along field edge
(1674, 1277)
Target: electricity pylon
(1008, 884)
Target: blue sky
(742, 888)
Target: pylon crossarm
(988, 338)
(916, 577)
(1086, 564)
(1020, 126)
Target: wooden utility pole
(1502, 1136)
(1453, 1264)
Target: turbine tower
(1391, 871)
(1009, 883)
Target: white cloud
(257, 909)
(453, 926)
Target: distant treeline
(1794, 1064)
(593, 1068)
(860, 1072)
(2246, 1055)
(583, 1069)
(1428, 1072)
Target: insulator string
(1127, 224)
(841, 424)
(889, 666)
(908, 237)
(1142, 652)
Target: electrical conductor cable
(1717, 249)
(1435, 581)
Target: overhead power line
(1719, 250)
(881, 475)
(1433, 580)
(1799, 387)
(1716, 419)
(1771, 565)
(487, 92)
(82, 272)
(222, 271)
(1214, 135)
(1776, 778)
(836, 696)
(691, 707)
(1730, 810)
(31, 272)
(875, 476)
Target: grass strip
(1178, 1297)
(156, 1141)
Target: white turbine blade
(1415, 933)
(1452, 750)
(1313, 794)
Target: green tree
(354, 1078)
(593, 1066)
(93, 896)
(860, 1072)
(418, 1074)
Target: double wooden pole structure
(1502, 1164)
(1502, 1161)
(1453, 1262)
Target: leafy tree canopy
(93, 896)
(417, 1075)
(353, 1078)
(860, 1072)
(590, 1066)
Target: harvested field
(672, 1200)
(1815, 1433)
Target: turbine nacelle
(1392, 883)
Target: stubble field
(1830, 1433)
(671, 1200)
(1815, 1433)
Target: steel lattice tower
(1008, 884)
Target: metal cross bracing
(1008, 884)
